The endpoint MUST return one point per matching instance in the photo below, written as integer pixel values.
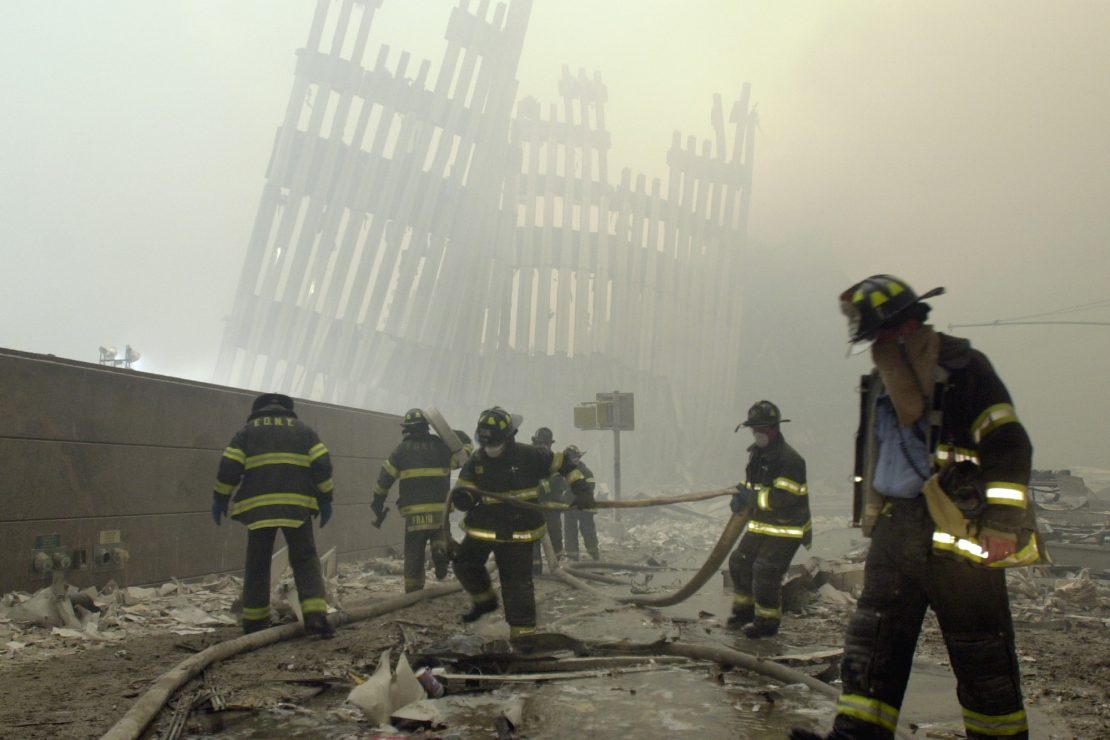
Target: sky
(951, 143)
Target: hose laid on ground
(147, 707)
(721, 550)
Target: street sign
(616, 411)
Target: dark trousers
(303, 560)
(514, 565)
(418, 537)
(554, 521)
(580, 521)
(757, 566)
(902, 578)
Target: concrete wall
(91, 454)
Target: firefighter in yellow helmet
(503, 465)
(422, 462)
(275, 475)
(775, 490)
(943, 468)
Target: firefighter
(502, 465)
(580, 520)
(280, 473)
(422, 462)
(774, 489)
(552, 490)
(943, 466)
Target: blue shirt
(894, 475)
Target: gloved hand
(325, 512)
(742, 500)
(462, 499)
(583, 500)
(377, 506)
(219, 507)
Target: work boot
(250, 626)
(797, 733)
(316, 623)
(761, 628)
(478, 608)
(572, 555)
(595, 554)
(740, 617)
(441, 569)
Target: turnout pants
(757, 566)
(902, 578)
(421, 531)
(303, 560)
(514, 566)
(580, 521)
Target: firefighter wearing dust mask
(775, 492)
(503, 465)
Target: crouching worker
(775, 491)
(502, 465)
(275, 475)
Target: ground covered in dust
(63, 686)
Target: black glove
(583, 500)
(963, 484)
(219, 507)
(462, 499)
(325, 512)
(378, 506)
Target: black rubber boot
(317, 623)
(740, 617)
(595, 554)
(761, 628)
(797, 733)
(250, 626)
(478, 609)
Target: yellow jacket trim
(530, 535)
(425, 473)
(869, 710)
(224, 489)
(390, 468)
(318, 450)
(790, 486)
(1007, 494)
(777, 530)
(235, 454)
(556, 463)
(423, 509)
(275, 499)
(973, 551)
(266, 523)
(999, 724)
(994, 417)
(950, 453)
(520, 494)
(277, 458)
(575, 475)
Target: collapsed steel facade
(420, 243)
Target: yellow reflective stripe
(763, 498)
(416, 582)
(235, 454)
(742, 599)
(390, 468)
(425, 473)
(530, 535)
(314, 604)
(256, 613)
(469, 484)
(318, 450)
(275, 499)
(379, 491)
(994, 417)
(969, 549)
(575, 475)
(224, 489)
(266, 523)
(950, 453)
(768, 612)
(277, 458)
(997, 724)
(869, 710)
(326, 486)
(556, 463)
(1007, 494)
(790, 486)
(518, 630)
(520, 494)
(423, 509)
(777, 530)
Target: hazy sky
(950, 142)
